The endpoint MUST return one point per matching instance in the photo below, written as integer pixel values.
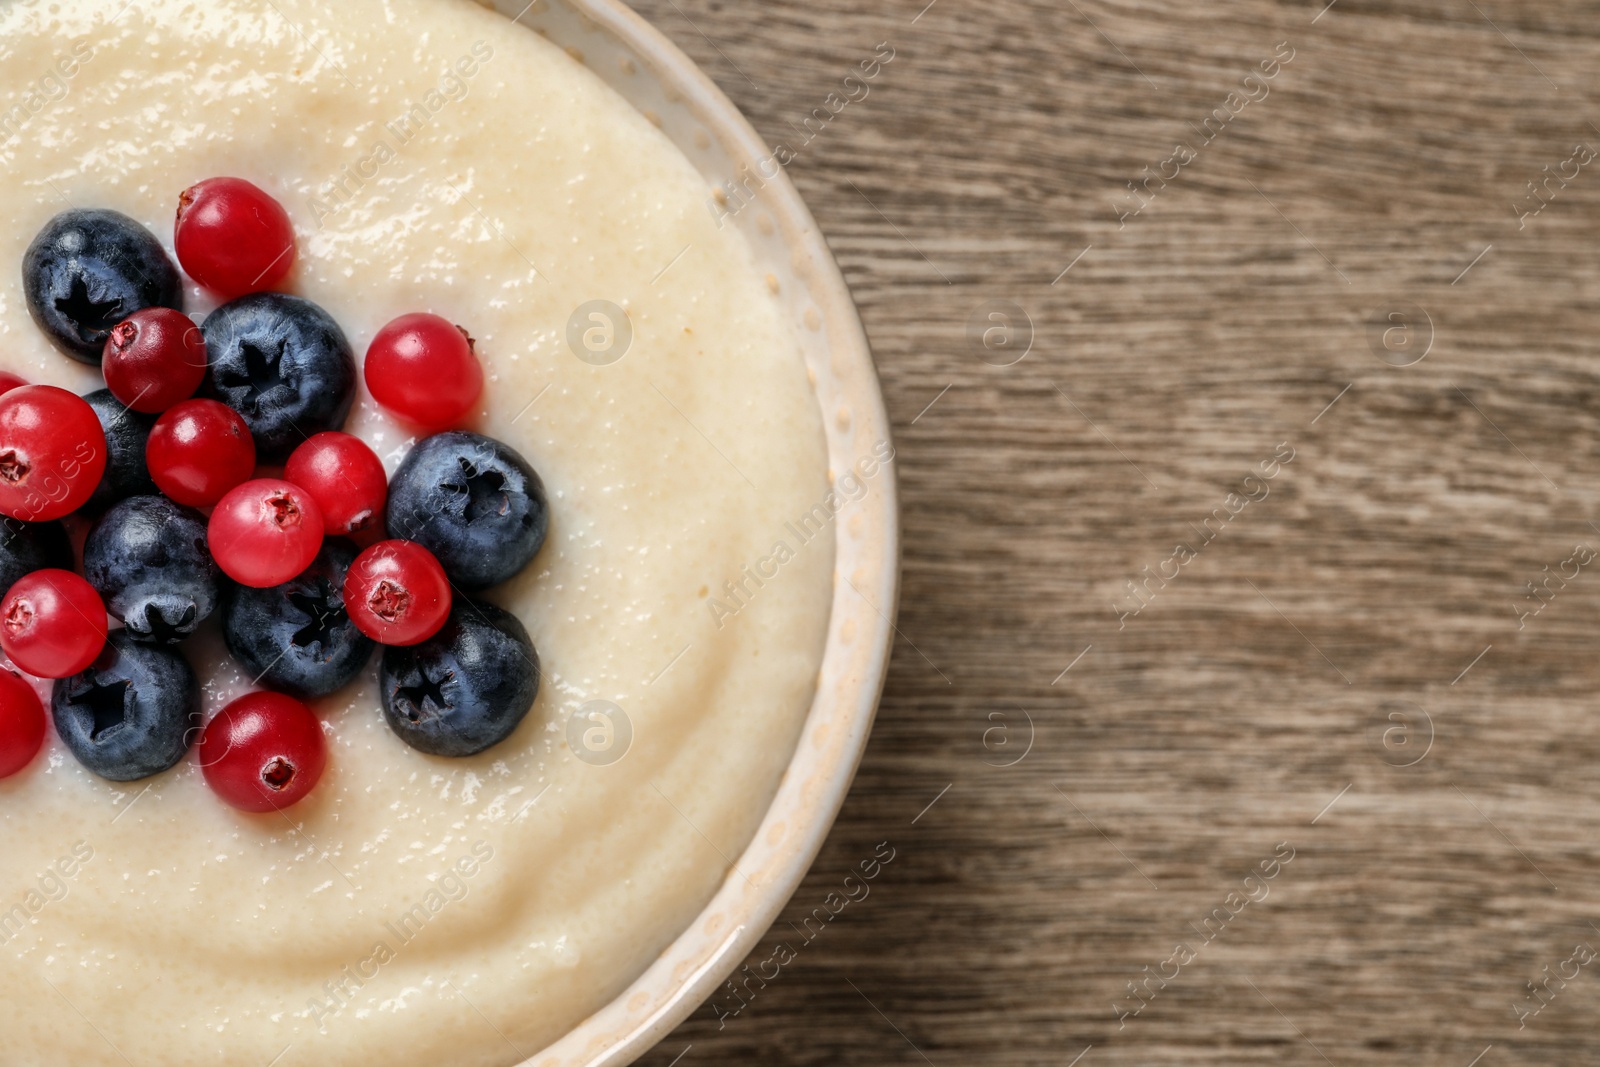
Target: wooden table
(1342, 262)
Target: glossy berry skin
(397, 593)
(473, 502)
(147, 558)
(52, 453)
(424, 369)
(198, 450)
(130, 714)
(9, 381)
(282, 363)
(265, 532)
(232, 237)
(263, 752)
(126, 434)
(86, 271)
(297, 637)
(26, 547)
(465, 689)
(52, 624)
(345, 477)
(21, 724)
(153, 359)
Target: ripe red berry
(52, 623)
(21, 724)
(232, 237)
(424, 370)
(265, 532)
(52, 452)
(198, 450)
(344, 477)
(396, 593)
(153, 359)
(263, 752)
(9, 381)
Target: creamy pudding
(433, 156)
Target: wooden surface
(1249, 704)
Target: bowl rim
(699, 959)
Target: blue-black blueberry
(297, 637)
(86, 271)
(126, 433)
(148, 558)
(26, 547)
(473, 502)
(134, 711)
(284, 365)
(466, 688)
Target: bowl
(675, 95)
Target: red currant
(21, 723)
(232, 237)
(52, 623)
(52, 453)
(424, 370)
(263, 752)
(344, 477)
(265, 532)
(153, 359)
(9, 381)
(198, 450)
(396, 593)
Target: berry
(86, 271)
(126, 433)
(26, 547)
(297, 636)
(153, 359)
(198, 450)
(263, 752)
(52, 624)
(397, 593)
(147, 557)
(284, 364)
(344, 477)
(232, 237)
(21, 724)
(9, 381)
(425, 370)
(466, 688)
(52, 453)
(473, 502)
(132, 713)
(265, 532)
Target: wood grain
(1369, 602)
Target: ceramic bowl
(674, 94)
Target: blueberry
(133, 713)
(148, 558)
(473, 502)
(296, 636)
(26, 547)
(126, 433)
(86, 271)
(464, 689)
(284, 365)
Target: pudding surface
(433, 156)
